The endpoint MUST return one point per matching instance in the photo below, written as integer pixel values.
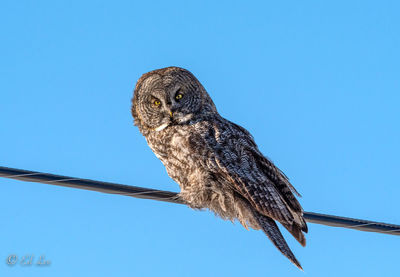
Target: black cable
(168, 196)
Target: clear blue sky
(316, 82)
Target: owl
(216, 162)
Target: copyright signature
(27, 260)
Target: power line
(168, 196)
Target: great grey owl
(216, 163)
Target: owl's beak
(170, 114)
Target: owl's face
(166, 97)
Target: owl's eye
(157, 103)
(178, 96)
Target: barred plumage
(216, 163)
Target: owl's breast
(181, 149)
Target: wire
(172, 197)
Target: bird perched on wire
(216, 162)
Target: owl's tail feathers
(297, 232)
(270, 228)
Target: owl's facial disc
(169, 96)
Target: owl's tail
(270, 228)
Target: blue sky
(315, 82)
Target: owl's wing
(257, 179)
(286, 192)
(270, 228)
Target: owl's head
(169, 96)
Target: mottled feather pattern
(216, 163)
